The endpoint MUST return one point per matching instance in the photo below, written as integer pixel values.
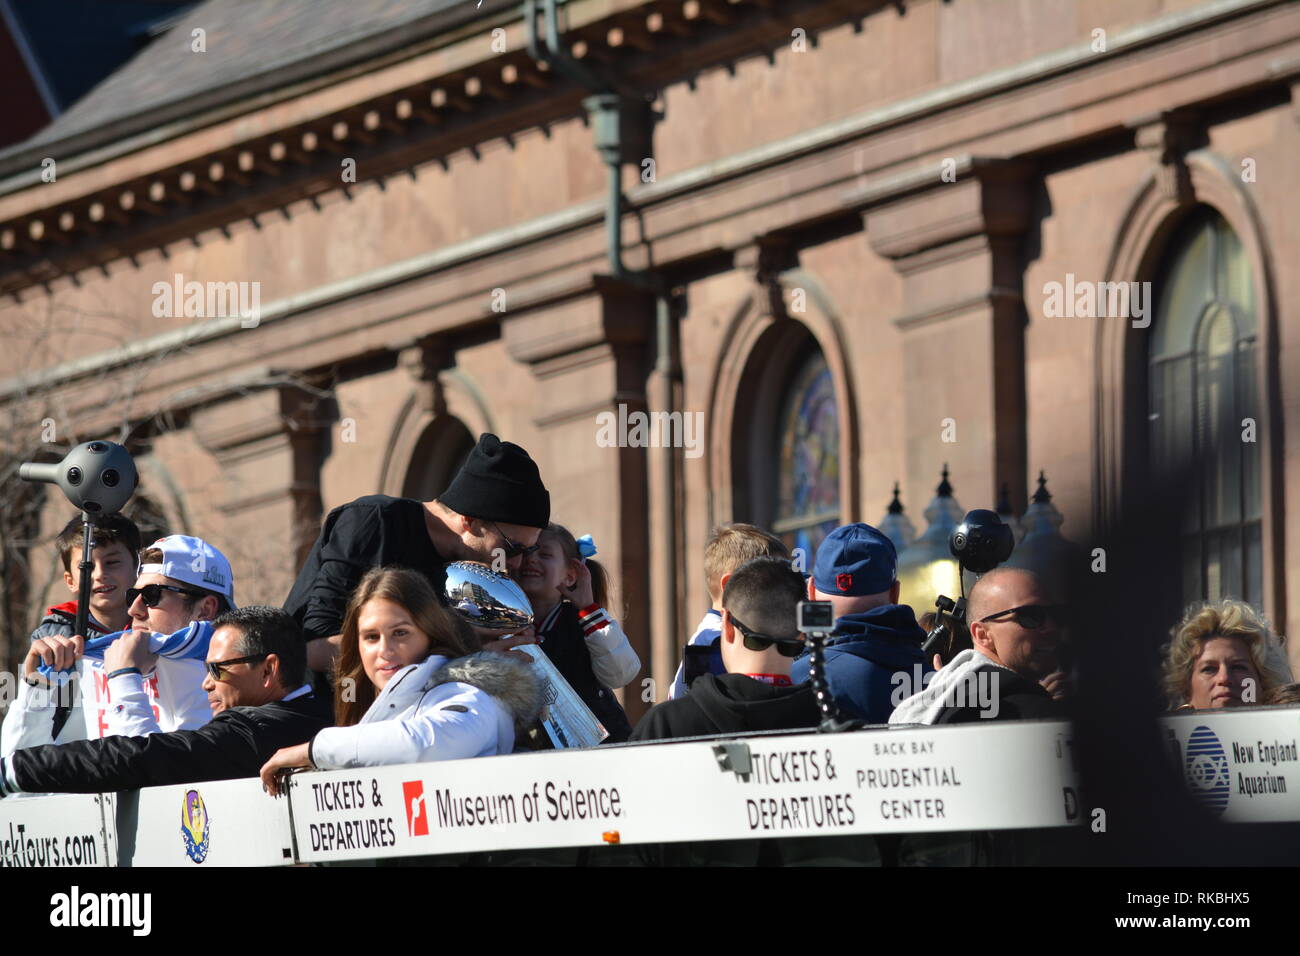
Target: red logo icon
(844, 581)
(417, 817)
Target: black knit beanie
(499, 482)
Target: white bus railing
(1241, 765)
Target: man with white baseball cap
(183, 584)
(142, 680)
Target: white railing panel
(65, 830)
(889, 781)
(222, 823)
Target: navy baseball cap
(854, 560)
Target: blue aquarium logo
(1207, 770)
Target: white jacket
(706, 632)
(170, 698)
(613, 660)
(435, 710)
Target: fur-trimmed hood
(510, 681)
(476, 706)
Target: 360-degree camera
(98, 477)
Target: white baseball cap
(195, 562)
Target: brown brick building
(820, 204)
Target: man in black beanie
(493, 511)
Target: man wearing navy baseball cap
(875, 637)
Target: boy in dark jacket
(759, 641)
(876, 645)
(115, 547)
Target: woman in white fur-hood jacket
(406, 690)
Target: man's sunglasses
(1033, 617)
(513, 548)
(755, 641)
(153, 593)
(219, 670)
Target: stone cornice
(983, 197)
(48, 230)
(432, 293)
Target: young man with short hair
(730, 546)
(759, 641)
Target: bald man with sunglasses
(760, 640)
(1012, 671)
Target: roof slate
(248, 43)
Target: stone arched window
(792, 483)
(782, 428)
(1204, 423)
(438, 455)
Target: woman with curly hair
(1223, 655)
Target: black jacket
(236, 743)
(1019, 698)
(729, 704)
(565, 645)
(374, 531)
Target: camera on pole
(980, 543)
(99, 478)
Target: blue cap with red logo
(854, 560)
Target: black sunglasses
(153, 593)
(513, 548)
(1033, 617)
(217, 669)
(756, 641)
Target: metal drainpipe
(608, 104)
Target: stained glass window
(1204, 414)
(808, 455)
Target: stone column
(269, 443)
(591, 356)
(957, 245)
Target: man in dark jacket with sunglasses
(759, 641)
(255, 665)
(1013, 670)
